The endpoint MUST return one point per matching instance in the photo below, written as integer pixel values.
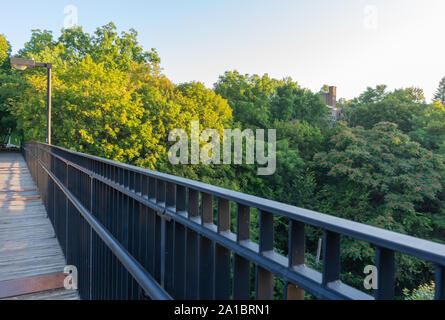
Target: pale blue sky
(340, 42)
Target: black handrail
(184, 232)
(145, 280)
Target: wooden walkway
(28, 247)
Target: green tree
(248, 96)
(110, 98)
(291, 102)
(10, 86)
(301, 136)
(440, 93)
(371, 95)
(398, 173)
(40, 41)
(260, 101)
(429, 128)
(383, 178)
(5, 51)
(376, 105)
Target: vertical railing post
(179, 258)
(206, 250)
(385, 274)
(264, 278)
(170, 204)
(161, 201)
(241, 266)
(331, 257)
(67, 213)
(221, 274)
(439, 283)
(192, 249)
(91, 240)
(296, 257)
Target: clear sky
(348, 43)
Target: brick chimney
(332, 97)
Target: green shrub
(424, 292)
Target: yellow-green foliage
(424, 292)
(4, 49)
(109, 97)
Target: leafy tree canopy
(398, 174)
(109, 96)
(377, 105)
(5, 50)
(259, 101)
(429, 128)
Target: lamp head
(22, 64)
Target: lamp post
(22, 64)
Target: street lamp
(22, 64)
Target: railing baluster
(264, 284)
(439, 283)
(206, 269)
(206, 251)
(170, 204)
(144, 186)
(160, 192)
(193, 210)
(181, 199)
(296, 257)
(152, 189)
(159, 239)
(331, 257)
(179, 246)
(132, 183)
(125, 221)
(296, 243)
(92, 256)
(221, 273)
(138, 183)
(266, 233)
(242, 223)
(192, 249)
(171, 196)
(160, 200)
(241, 266)
(385, 268)
(114, 268)
(121, 176)
(223, 215)
(151, 240)
(264, 278)
(192, 265)
(241, 278)
(126, 179)
(207, 208)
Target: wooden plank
(18, 190)
(20, 287)
(60, 294)
(15, 199)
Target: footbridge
(132, 233)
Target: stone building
(330, 98)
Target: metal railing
(136, 234)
